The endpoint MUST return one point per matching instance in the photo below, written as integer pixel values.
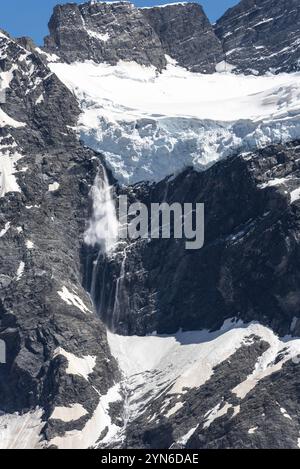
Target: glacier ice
(150, 125)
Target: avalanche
(151, 125)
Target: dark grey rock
(261, 35)
(103, 33)
(248, 266)
(34, 320)
(186, 35)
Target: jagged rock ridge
(256, 36)
(186, 35)
(109, 32)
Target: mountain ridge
(182, 31)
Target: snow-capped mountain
(145, 344)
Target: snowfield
(154, 365)
(151, 125)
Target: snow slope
(21, 431)
(150, 125)
(170, 365)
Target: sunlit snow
(171, 365)
(150, 125)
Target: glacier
(151, 125)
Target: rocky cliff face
(255, 36)
(186, 35)
(104, 33)
(246, 269)
(261, 35)
(56, 351)
(120, 31)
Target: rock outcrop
(186, 35)
(206, 341)
(246, 269)
(103, 32)
(261, 35)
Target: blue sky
(30, 17)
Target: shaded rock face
(246, 269)
(42, 221)
(259, 35)
(104, 33)
(186, 35)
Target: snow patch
(69, 414)
(252, 430)
(29, 244)
(49, 57)
(6, 121)
(274, 182)
(165, 5)
(53, 187)
(77, 366)
(101, 37)
(89, 435)
(39, 100)
(268, 363)
(5, 229)
(224, 67)
(73, 300)
(185, 438)
(285, 414)
(174, 409)
(8, 181)
(20, 270)
(295, 195)
(215, 413)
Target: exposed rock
(44, 311)
(186, 35)
(103, 32)
(230, 382)
(246, 269)
(261, 35)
